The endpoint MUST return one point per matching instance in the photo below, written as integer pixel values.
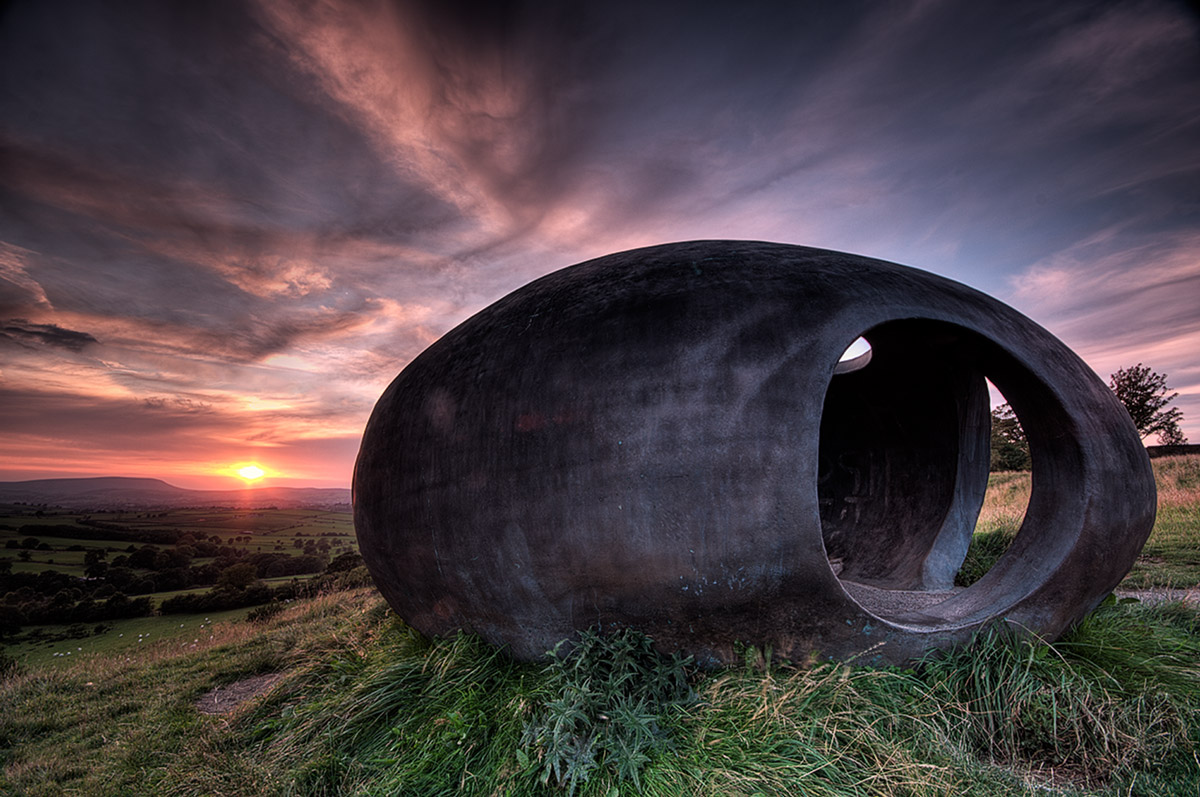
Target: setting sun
(251, 473)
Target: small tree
(1144, 394)
(238, 576)
(1010, 449)
(1172, 437)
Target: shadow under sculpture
(665, 439)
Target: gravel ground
(887, 602)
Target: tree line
(110, 588)
(1142, 391)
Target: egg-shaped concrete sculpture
(667, 439)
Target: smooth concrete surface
(658, 439)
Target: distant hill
(120, 492)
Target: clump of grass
(443, 722)
(9, 666)
(1113, 698)
(1140, 646)
(985, 548)
(261, 614)
(602, 706)
(818, 729)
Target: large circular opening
(903, 472)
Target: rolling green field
(362, 704)
(120, 637)
(38, 565)
(225, 523)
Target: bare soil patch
(1190, 596)
(224, 699)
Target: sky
(226, 227)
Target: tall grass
(1170, 558)
(1056, 711)
(1005, 501)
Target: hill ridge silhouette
(130, 492)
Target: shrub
(265, 612)
(602, 707)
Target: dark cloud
(24, 333)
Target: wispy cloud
(1119, 299)
(20, 288)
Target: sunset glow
(251, 473)
(227, 230)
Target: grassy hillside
(367, 706)
(364, 705)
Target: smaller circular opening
(855, 357)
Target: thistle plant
(603, 706)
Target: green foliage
(1144, 394)
(1118, 695)
(602, 706)
(985, 548)
(1010, 449)
(238, 576)
(219, 599)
